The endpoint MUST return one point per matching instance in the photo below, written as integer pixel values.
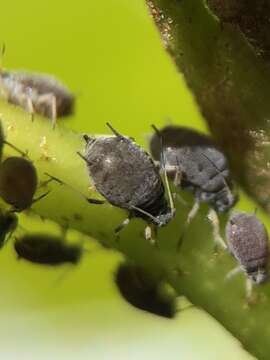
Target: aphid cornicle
(142, 292)
(195, 164)
(46, 249)
(247, 240)
(36, 93)
(126, 176)
(18, 182)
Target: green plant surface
(108, 62)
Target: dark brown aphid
(37, 93)
(8, 223)
(18, 182)
(126, 176)
(142, 292)
(47, 250)
(247, 240)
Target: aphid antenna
(2, 53)
(41, 197)
(115, 132)
(144, 213)
(83, 157)
(163, 166)
(24, 154)
(15, 209)
(61, 182)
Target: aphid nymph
(46, 249)
(195, 164)
(18, 182)
(36, 93)
(126, 176)
(247, 240)
(143, 292)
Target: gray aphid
(197, 165)
(36, 93)
(247, 240)
(126, 176)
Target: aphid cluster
(129, 178)
(125, 175)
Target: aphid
(18, 182)
(195, 164)
(8, 223)
(36, 93)
(141, 291)
(46, 249)
(126, 176)
(247, 240)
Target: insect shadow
(47, 249)
(140, 290)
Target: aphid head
(224, 200)
(164, 219)
(259, 276)
(88, 139)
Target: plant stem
(194, 271)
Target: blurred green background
(109, 54)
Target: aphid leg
(24, 154)
(51, 100)
(61, 182)
(149, 231)
(178, 177)
(190, 217)
(40, 197)
(122, 225)
(193, 212)
(213, 218)
(249, 288)
(30, 107)
(96, 201)
(8, 237)
(233, 272)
